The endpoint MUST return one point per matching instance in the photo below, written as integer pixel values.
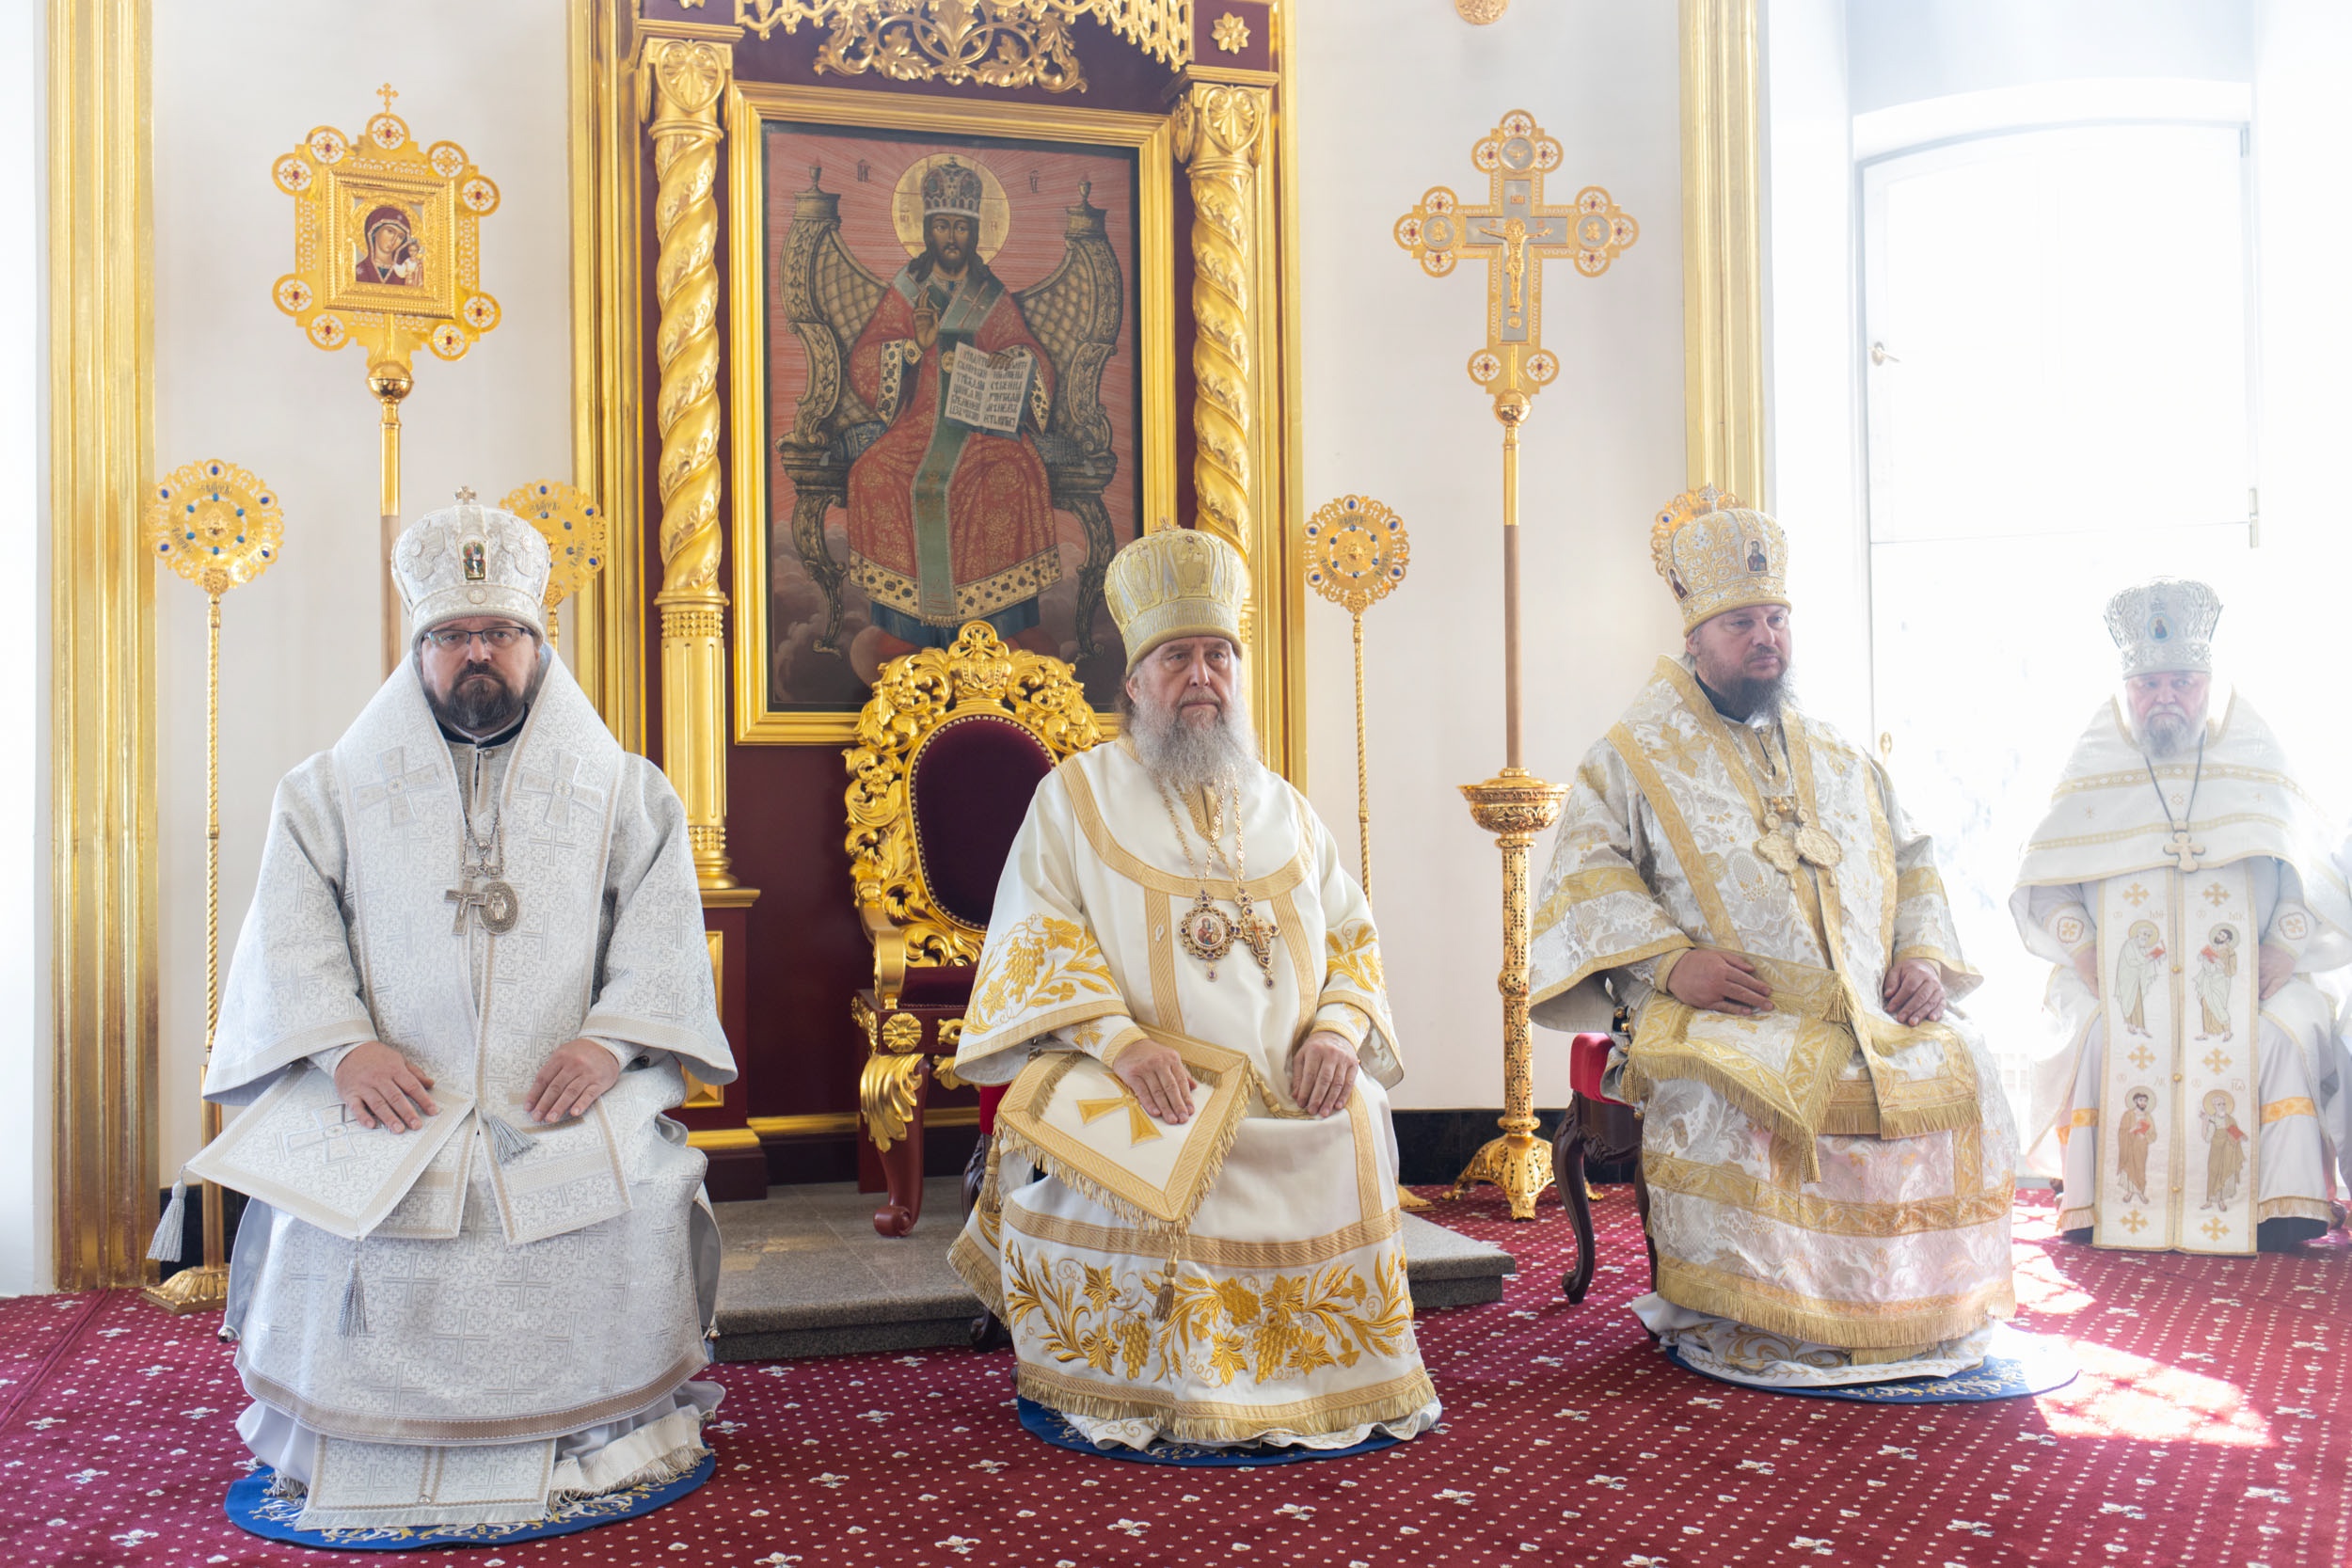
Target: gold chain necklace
(1790, 836)
(1207, 932)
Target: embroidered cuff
(327, 1061)
(1658, 967)
(1345, 1019)
(626, 1053)
(1102, 1038)
(2071, 924)
(2289, 928)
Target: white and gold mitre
(1718, 555)
(2166, 624)
(1176, 582)
(470, 559)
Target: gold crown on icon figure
(953, 189)
(470, 559)
(2165, 623)
(1717, 555)
(1176, 582)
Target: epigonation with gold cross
(749, 170)
(1517, 232)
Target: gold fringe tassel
(1177, 1427)
(1927, 1325)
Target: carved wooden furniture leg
(1567, 1173)
(890, 1091)
(808, 541)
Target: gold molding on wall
(603, 627)
(102, 692)
(1723, 265)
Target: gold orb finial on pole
(219, 527)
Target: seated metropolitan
(1168, 889)
(473, 1281)
(1827, 1149)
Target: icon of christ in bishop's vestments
(950, 513)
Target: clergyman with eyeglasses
(477, 940)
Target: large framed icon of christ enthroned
(868, 520)
(766, 405)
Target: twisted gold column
(684, 79)
(1221, 132)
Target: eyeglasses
(498, 639)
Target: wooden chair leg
(902, 1161)
(1568, 1171)
(1641, 1203)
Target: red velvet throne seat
(950, 748)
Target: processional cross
(1517, 232)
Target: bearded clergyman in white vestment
(2182, 889)
(1827, 1150)
(1162, 887)
(475, 896)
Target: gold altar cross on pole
(1517, 233)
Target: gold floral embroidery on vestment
(1353, 950)
(1272, 1328)
(1039, 964)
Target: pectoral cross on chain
(492, 896)
(2183, 851)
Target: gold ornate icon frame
(336, 181)
(1149, 137)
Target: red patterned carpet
(2210, 1428)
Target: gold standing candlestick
(218, 527)
(388, 253)
(1516, 232)
(568, 519)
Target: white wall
(25, 1175)
(1393, 94)
(1902, 51)
(236, 379)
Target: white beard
(1187, 757)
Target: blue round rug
(252, 1509)
(1050, 1425)
(2019, 1365)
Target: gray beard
(2165, 733)
(1186, 758)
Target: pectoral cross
(468, 899)
(1516, 232)
(2183, 851)
(1141, 1129)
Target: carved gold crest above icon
(387, 241)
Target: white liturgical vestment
(1281, 1313)
(1830, 1190)
(2188, 1108)
(520, 1327)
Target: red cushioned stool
(1608, 1130)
